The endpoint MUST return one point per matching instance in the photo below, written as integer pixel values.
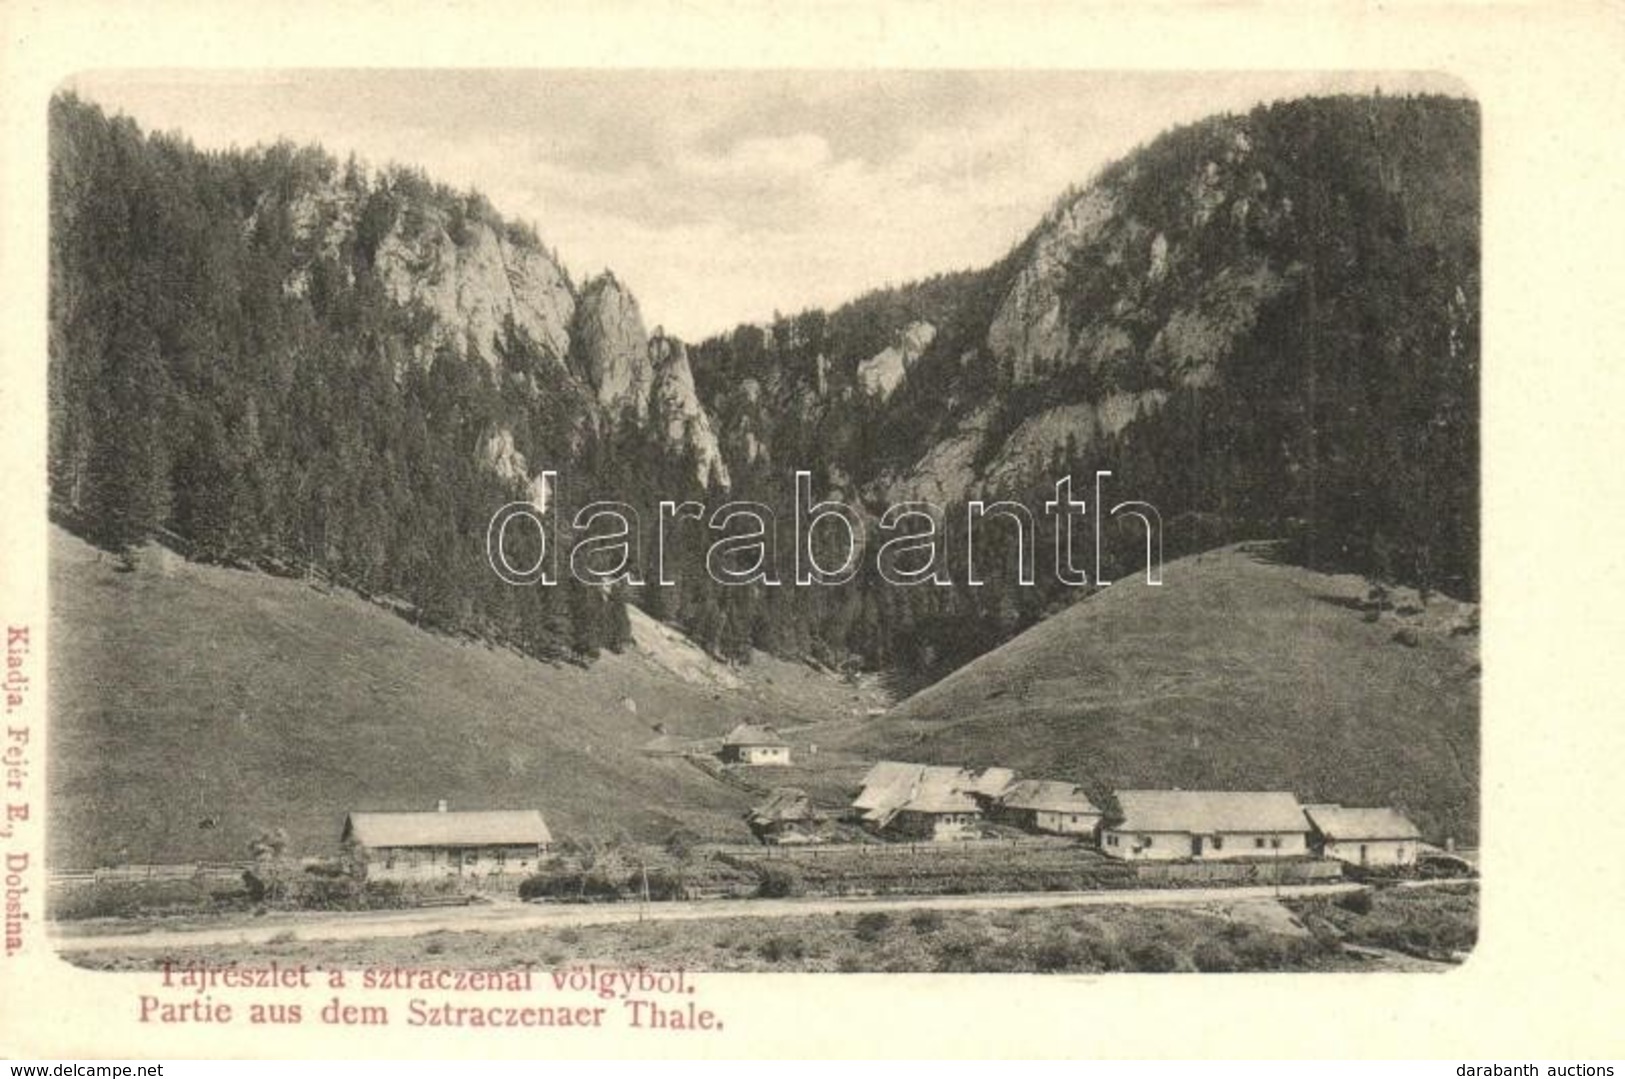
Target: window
(1258, 842)
(1275, 841)
(1218, 842)
(1145, 841)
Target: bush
(1060, 950)
(1156, 956)
(927, 921)
(1215, 957)
(779, 882)
(665, 885)
(778, 948)
(1355, 902)
(125, 899)
(592, 885)
(872, 926)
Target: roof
(1207, 812)
(941, 800)
(500, 827)
(891, 786)
(750, 734)
(992, 782)
(784, 804)
(887, 785)
(1339, 822)
(1049, 795)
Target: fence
(134, 873)
(793, 851)
(1267, 872)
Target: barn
(922, 801)
(472, 846)
(1046, 805)
(1363, 836)
(1206, 825)
(787, 816)
(750, 743)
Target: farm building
(1045, 805)
(919, 801)
(788, 816)
(1207, 825)
(990, 784)
(466, 845)
(1369, 837)
(750, 743)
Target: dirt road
(516, 916)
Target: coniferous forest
(224, 382)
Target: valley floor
(1294, 927)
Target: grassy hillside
(193, 706)
(1236, 673)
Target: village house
(1206, 825)
(1045, 805)
(788, 816)
(922, 802)
(1365, 837)
(750, 743)
(470, 846)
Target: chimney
(441, 806)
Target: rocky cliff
(1232, 310)
(474, 277)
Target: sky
(722, 197)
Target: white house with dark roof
(1206, 825)
(1363, 836)
(1047, 805)
(471, 845)
(751, 743)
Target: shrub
(1060, 950)
(1355, 902)
(594, 884)
(872, 926)
(124, 899)
(1156, 956)
(1215, 957)
(958, 951)
(664, 884)
(778, 948)
(779, 882)
(927, 921)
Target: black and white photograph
(901, 532)
(908, 522)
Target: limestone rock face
(1029, 332)
(473, 282)
(502, 457)
(677, 404)
(612, 347)
(883, 372)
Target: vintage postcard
(560, 558)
